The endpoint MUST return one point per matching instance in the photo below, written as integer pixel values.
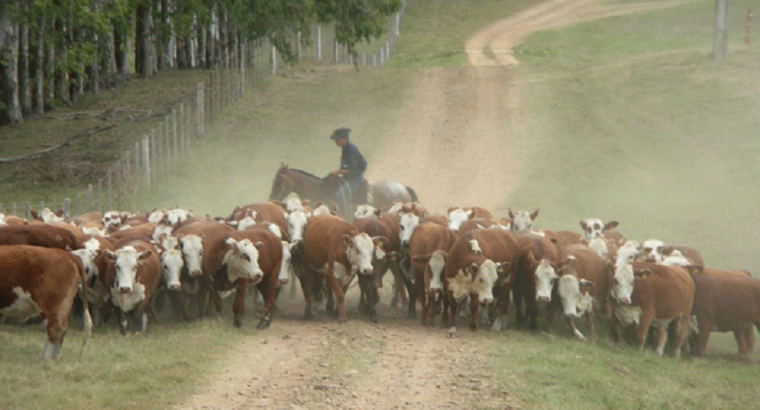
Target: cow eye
(246, 258)
(401, 227)
(166, 266)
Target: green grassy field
(631, 121)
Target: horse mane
(304, 173)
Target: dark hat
(340, 133)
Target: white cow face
(652, 250)
(321, 210)
(484, 281)
(111, 218)
(161, 229)
(294, 204)
(171, 268)
(522, 220)
(192, 251)
(49, 217)
(284, 276)
(88, 254)
(436, 264)
(126, 260)
(545, 278)
(364, 211)
(297, 221)
(94, 230)
(627, 253)
(396, 207)
(623, 282)
(242, 260)
(592, 228)
(675, 258)
(574, 295)
(245, 223)
(156, 216)
(3, 218)
(359, 250)
(406, 224)
(177, 215)
(456, 217)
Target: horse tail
(412, 194)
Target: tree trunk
(9, 66)
(95, 70)
(61, 75)
(213, 36)
(121, 46)
(25, 89)
(76, 35)
(141, 15)
(49, 70)
(224, 39)
(39, 70)
(202, 46)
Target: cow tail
(87, 318)
(412, 194)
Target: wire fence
(155, 154)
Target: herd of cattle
(465, 262)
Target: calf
(536, 267)
(133, 277)
(335, 248)
(522, 220)
(726, 304)
(479, 261)
(482, 223)
(646, 293)
(654, 250)
(95, 262)
(455, 216)
(46, 236)
(594, 228)
(262, 212)
(384, 257)
(42, 282)
(428, 250)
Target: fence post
(335, 52)
(14, 208)
(89, 197)
(319, 43)
(27, 211)
(174, 131)
(42, 207)
(67, 207)
(274, 61)
(137, 168)
(749, 26)
(146, 159)
(153, 155)
(182, 126)
(100, 195)
(199, 108)
(166, 148)
(398, 23)
(110, 195)
(1, 207)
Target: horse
(307, 186)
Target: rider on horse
(352, 167)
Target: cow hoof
(263, 324)
(452, 332)
(237, 323)
(411, 316)
(373, 318)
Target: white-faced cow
(522, 220)
(456, 216)
(535, 275)
(428, 250)
(594, 228)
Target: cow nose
(625, 301)
(542, 298)
(125, 289)
(284, 281)
(175, 287)
(366, 271)
(487, 301)
(196, 272)
(571, 314)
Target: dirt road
(467, 118)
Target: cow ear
(203, 236)
(583, 224)
(502, 267)
(531, 258)
(380, 241)
(585, 285)
(584, 241)
(469, 213)
(144, 255)
(110, 254)
(534, 215)
(258, 245)
(610, 226)
(641, 274)
(511, 214)
(473, 268)
(347, 240)
(610, 265)
(231, 242)
(694, 269)
(448, 211)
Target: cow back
(323, 240)
(728, 302)
(588, 265)
(43, 235)
(429, 237)
(386, 225)
(667, 289)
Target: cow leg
(645, 321)
(203, 294)
(177, 299)
(140, 316)
(307, 284)
(217, 300)
(337, 292)
(238, 306)
(517, 301)
(369, 299)
(502, 306)
(160, 298)
(55, 332)
(551, 311)
(740, 341)
(399, 291)
(662, 338)
(571, 322)
(123, 321)
(590, 316)
(474, 307)
(453, 315)
(105, 312)
(412, 305)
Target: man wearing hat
(352, 167)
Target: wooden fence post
(110, 195)
(174, 131)
(166, 149)
(100, 195)
(749, 26)
(27, 211)
(89, 197)
(319, 43)
(67, 207)
(182, 126)
(146, 159)
(274, 61)
(720, 39)
(137, 168)
(152, 156)
(199, 108)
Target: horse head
(282, 185)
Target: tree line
(53, 51)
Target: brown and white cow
(726, 304)
(386, 255)
(583, 280)
(594, 228)
(262, 212)
(44, 235)
(335, 248)
(456, 216)
(647, 293)
(535, 269)
(522, 220)
(95, 262)
(479, 261)
(654, 250)
(252, 257)
(482, 223)
(43, 282)
(133, 275)
(428, 250)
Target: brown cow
(44, 235)
(583, 279)
(538, 255)
(145, 230)
(455, 216)
(726, 304)
(654, 250)
(594, 228)
(385, 257)
(133, 275)
(479, 261)
(482, 223)
(428, 249)
(262, 212)
(647, 292)
(42, 281)
(95, 262)
(249, 257)
(338, 250)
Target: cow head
(243, 224)
(50, 217)
(88, 254)
(407, 221)
(627, 253)
(295, 204)
(285, 266)
(297, 221)
(456, 216)
(94, 230)
(321, 209)
(192, 252)
(177, 215)
(623, 282)
(600, 245)
(522, 220)
(171, 267)
(652, 250)
(360, 250)
(573, 292)
(676, 258)
(156, 216)
(381, 258)
(242, 260)
(484, 280)
(126, 261)
(3, 219)
(545, 277)
(163, 228)
(364, 211)
(436, 264)
(111, 219)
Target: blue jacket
(353, 161)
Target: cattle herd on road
(466, 262)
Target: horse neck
(305, 186)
